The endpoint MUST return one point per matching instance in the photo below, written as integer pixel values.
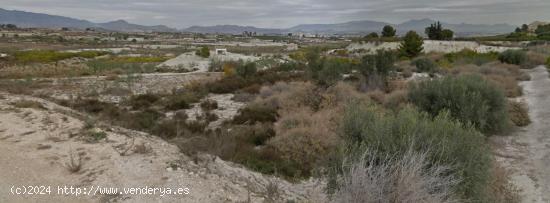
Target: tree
(524, 28)
(388, 31)
(203, 52)
(411, 45)
(447, 34)
(435, 31)
(372, 35)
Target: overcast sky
(287, 13)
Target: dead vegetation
(28, 104)
(74, 164)
(395, 179)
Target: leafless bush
(272, 193)
(407, 179)
(75, 163)
(519, 113)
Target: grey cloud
(285, 13)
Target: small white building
(221, 51)
(2, 55)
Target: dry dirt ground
(526, 153)
(36, 145)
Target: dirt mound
(38, 140)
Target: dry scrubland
(367, 127)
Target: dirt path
(526, 154)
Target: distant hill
(39, 20)
(349, 27)
(28, 19)
(121, 25)
(462, 29)
(360, 27)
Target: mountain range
(29, 19)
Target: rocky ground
(526, 153)
(38, 142)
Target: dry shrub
(306, 128)
(396, 99)
(535, 59)
(44, 70)
(292, 95)
(500, 188)
(505, 76)
(75, 163)
(28, 104)
(410, 178)
(508, 84)
(305, 137)
(341, 94)
(396, 85)
(519, 113)
(377, 96)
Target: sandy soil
(36, 145)
(191, 61)
(432, 46)
(526, 153)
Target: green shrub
(380, 63)
(246, 69)
(516, 57)
(412, 45)
(203, 52)
(445, 141)
(94, 136)
(424, 65)
(467, 56)
(548, 62)
(469, 98)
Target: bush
(246, 69)
(516, 57)
(412, 45)
(519, 114)
(424, 65)
(183, 100)
(548, 62)
(467, 56)
(469, 98)
(209, 105)
(410, 178)
(143, 101)
(394, 134)
(255, 113)
(29, 104)
(203, 52)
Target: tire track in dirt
(526, 153)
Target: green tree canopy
(388, 31)
(412, 45)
